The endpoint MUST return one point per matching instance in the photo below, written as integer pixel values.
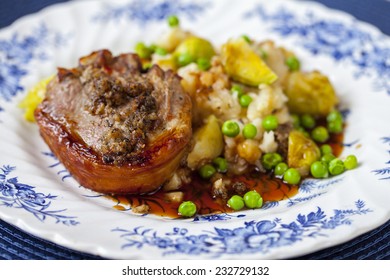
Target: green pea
(263, 54)
(327, 158)
(350, 162)
(230, 128)
(336, 166)
(295, 121)
(249, 131)
(293, 63)
(203, 64)
(187, 209)
(246, 38)
(319, 169)
(153, 47)
(280, 168)
(301, 129)
(238, 90)
(184, 59)
(236, 202)
(335, 126)
(146, 66)
(326, 149)
(308, 121)
(292, 176)
(334, 116)
(253, 199)
(320, 134)
(335, 121)
(245, 100)
(270, 123)
(270, 160)
(160, 51)
(143, 51)
(221, 164)
(207, 171)
(173, 21)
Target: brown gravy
(198, 191)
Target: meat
(282, 133)
(116, 128)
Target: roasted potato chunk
(208, 143)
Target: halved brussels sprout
(244, 65)
(302, 152)
(310, 93)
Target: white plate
(39, 196)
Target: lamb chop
(116, 128)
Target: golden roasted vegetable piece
(249, 150)
(193, 48)
(244, 65)
(33, 98)
(166, 62)
(302, 152)
(310, 93)
(208, 141)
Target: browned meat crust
(116, 129)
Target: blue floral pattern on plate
(217, 217)
(253, 237)
(18, 51)
(145, 11)
(62, 172)
(314, 188)
(385, 171)
(339, 40)
(22, 196)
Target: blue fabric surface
(16, 244)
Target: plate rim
(19, 223)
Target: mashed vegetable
(33, 98)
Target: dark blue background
(15, 244)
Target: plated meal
(146, 132)
(185, 125)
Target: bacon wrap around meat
(116, 128)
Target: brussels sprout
(302, 152)
(244, 65)
(310, 93)
(192, 49)
(208, 143)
